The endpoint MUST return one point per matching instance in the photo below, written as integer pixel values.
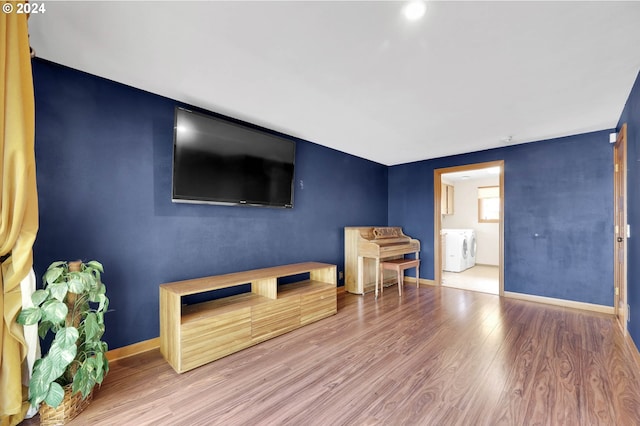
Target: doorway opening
(468, 227)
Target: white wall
(465, 208)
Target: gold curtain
(18, 204)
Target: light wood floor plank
(436, 356)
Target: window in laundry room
(488, 204)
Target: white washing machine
(456, 250)
(473, 248)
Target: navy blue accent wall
(103, 158)
(561, 190)
(631, 116)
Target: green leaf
(43, 328)
(89, 276)
(36, 363)
(93, 296)
(55, 395)
(95, 265)
(29, 316)
(58, 290)
(87, 376)
(90, 366)
(91, 327)
(79, 381)
(52, 274)
(99, 364)
(76, 284)
(44, 373)
(103, 303)
(59, 359)
(66, 337)
(56, 264)
(90, 346)
(39, 296)
(54, 311)
(41, 377)
(82, 383)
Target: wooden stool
(398, 265)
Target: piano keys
(364, 247)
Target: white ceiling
(356, 76)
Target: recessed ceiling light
(414, 10)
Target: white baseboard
(561, 302)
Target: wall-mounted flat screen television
(218, 160)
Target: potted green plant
(71, 305)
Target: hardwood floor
(436, 356)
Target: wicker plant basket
(69, 408)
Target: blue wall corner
(559, 189)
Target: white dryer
(473, 248)
(456, 250)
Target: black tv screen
(219, 160)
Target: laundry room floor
(483, 278)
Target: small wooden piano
(364, 247)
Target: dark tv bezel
(243, 125)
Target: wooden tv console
(193, 335)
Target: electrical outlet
(340, 275)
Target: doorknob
(620, 239)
